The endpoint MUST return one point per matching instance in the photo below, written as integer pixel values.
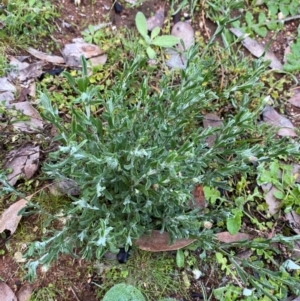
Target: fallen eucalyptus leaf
(226, 237)
(272, 202)
(294, 221)
(271, 116)
(175, 59)
(10, 219)
(98, 60)
(257, 49)
(34, 124)
(213, 121)
(29, 72)
(158, 242)
(24, 162)
(6, 293)
(295, 99)
(157, 20)
(72, 53)
(185, 32)
(7, 97)
(199, 198)
(6, 86)
(25, 292)
(54, 59)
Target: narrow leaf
(165, 41)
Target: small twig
(203, 20)
(75, 295)
(285, 19)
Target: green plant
(123, 292)
(45, 293)
(281, 176)
(154, 274)
(292, 59)
(92, 35)
(164, 41)
(28, 18)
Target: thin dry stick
(75, 295)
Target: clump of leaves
(138, 161)
(281, 176)
(164, 41)
(292, 59)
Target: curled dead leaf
(34, 124)
(10, 219)
(23, 162)
(285, 127)
(158, 242)
(199, 198)
(257, 49)
(54, 59)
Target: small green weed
(48, 293)
(28, 18)
(154, 40)
(282, 177)
(153, 274)
(292, 59)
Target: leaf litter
(32, 72)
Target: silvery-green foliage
(137, 163)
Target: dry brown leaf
(7, 97)
(199, 198)
(157, 242)
(25, 292)
(6, 86)
(227, 237)
(54, 59)
(23, 162)
(157, 20)
(213, 121)
(296, 252)
(272, 202)
(257, 49)
(185, 32)
(98, 60)
(271, 116)
(6, 293)
(27, 71)
(10, 219)
(296, 172)
(35, 122)
(72, 53)
(175, 59)
(294, 221)
(295, 99)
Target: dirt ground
(74, 274)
